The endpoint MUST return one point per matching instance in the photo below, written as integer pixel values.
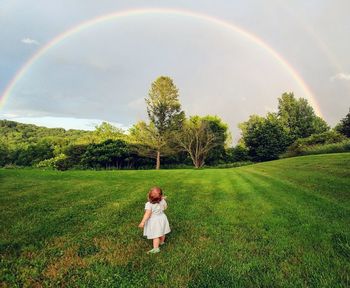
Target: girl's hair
(155, 195)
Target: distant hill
(14, 133)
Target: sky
(227, 58)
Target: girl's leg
(161, 239)
(155, 247)
(156, 243)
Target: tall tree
(148, 142)
(265, 138)
(164, 112)
(299, 117)
(343, 126)
(197, 139)
(222, 138)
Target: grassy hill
(283, 223)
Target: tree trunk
(158, 160)
(199, 163)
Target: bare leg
(162, 239)
(156, 243)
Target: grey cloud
(340, 76)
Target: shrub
(59, 162)
(301, 145)
(340, 147)
(236, 154)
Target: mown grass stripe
(254, 226)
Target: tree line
(170, 138)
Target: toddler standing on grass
(155, 223)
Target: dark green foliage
(265, 138)
(221, 132)
(27, 144)
(4, 154)
(31, 154)
(74, 154)
(14, 132)
(282, 223)
(300, 145)
(299, 117)
(338, 147)
(236, 154)
(108, 154)
(344, 126)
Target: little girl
(155, 223)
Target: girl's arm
(165, 205)
(145, 218)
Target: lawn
(283, 223)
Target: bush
(106, 155)
(59, 162)
(307, 144)
(341, 147)
(236, 154)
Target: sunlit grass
(277, 224)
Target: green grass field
(283, 223)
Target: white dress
(157, 225)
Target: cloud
(30, 41)
(340, 76)
(9, 115)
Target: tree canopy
(343, 126)
(163, 105)
(265, 137)
(170, 135)
(166, 117)
(197, 139)
(298, 117)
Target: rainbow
(184, 13)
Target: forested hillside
(27, 144)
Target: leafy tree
(236, 154)
(4, 154)
(148, 142)
(222, 138)
(163, 105)
(108, 154)
(343, 126)
(164, 112)
(299, 117)
(197, 139)
(74, 154)
(265, 138)
(107, 131)
(28, 155)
